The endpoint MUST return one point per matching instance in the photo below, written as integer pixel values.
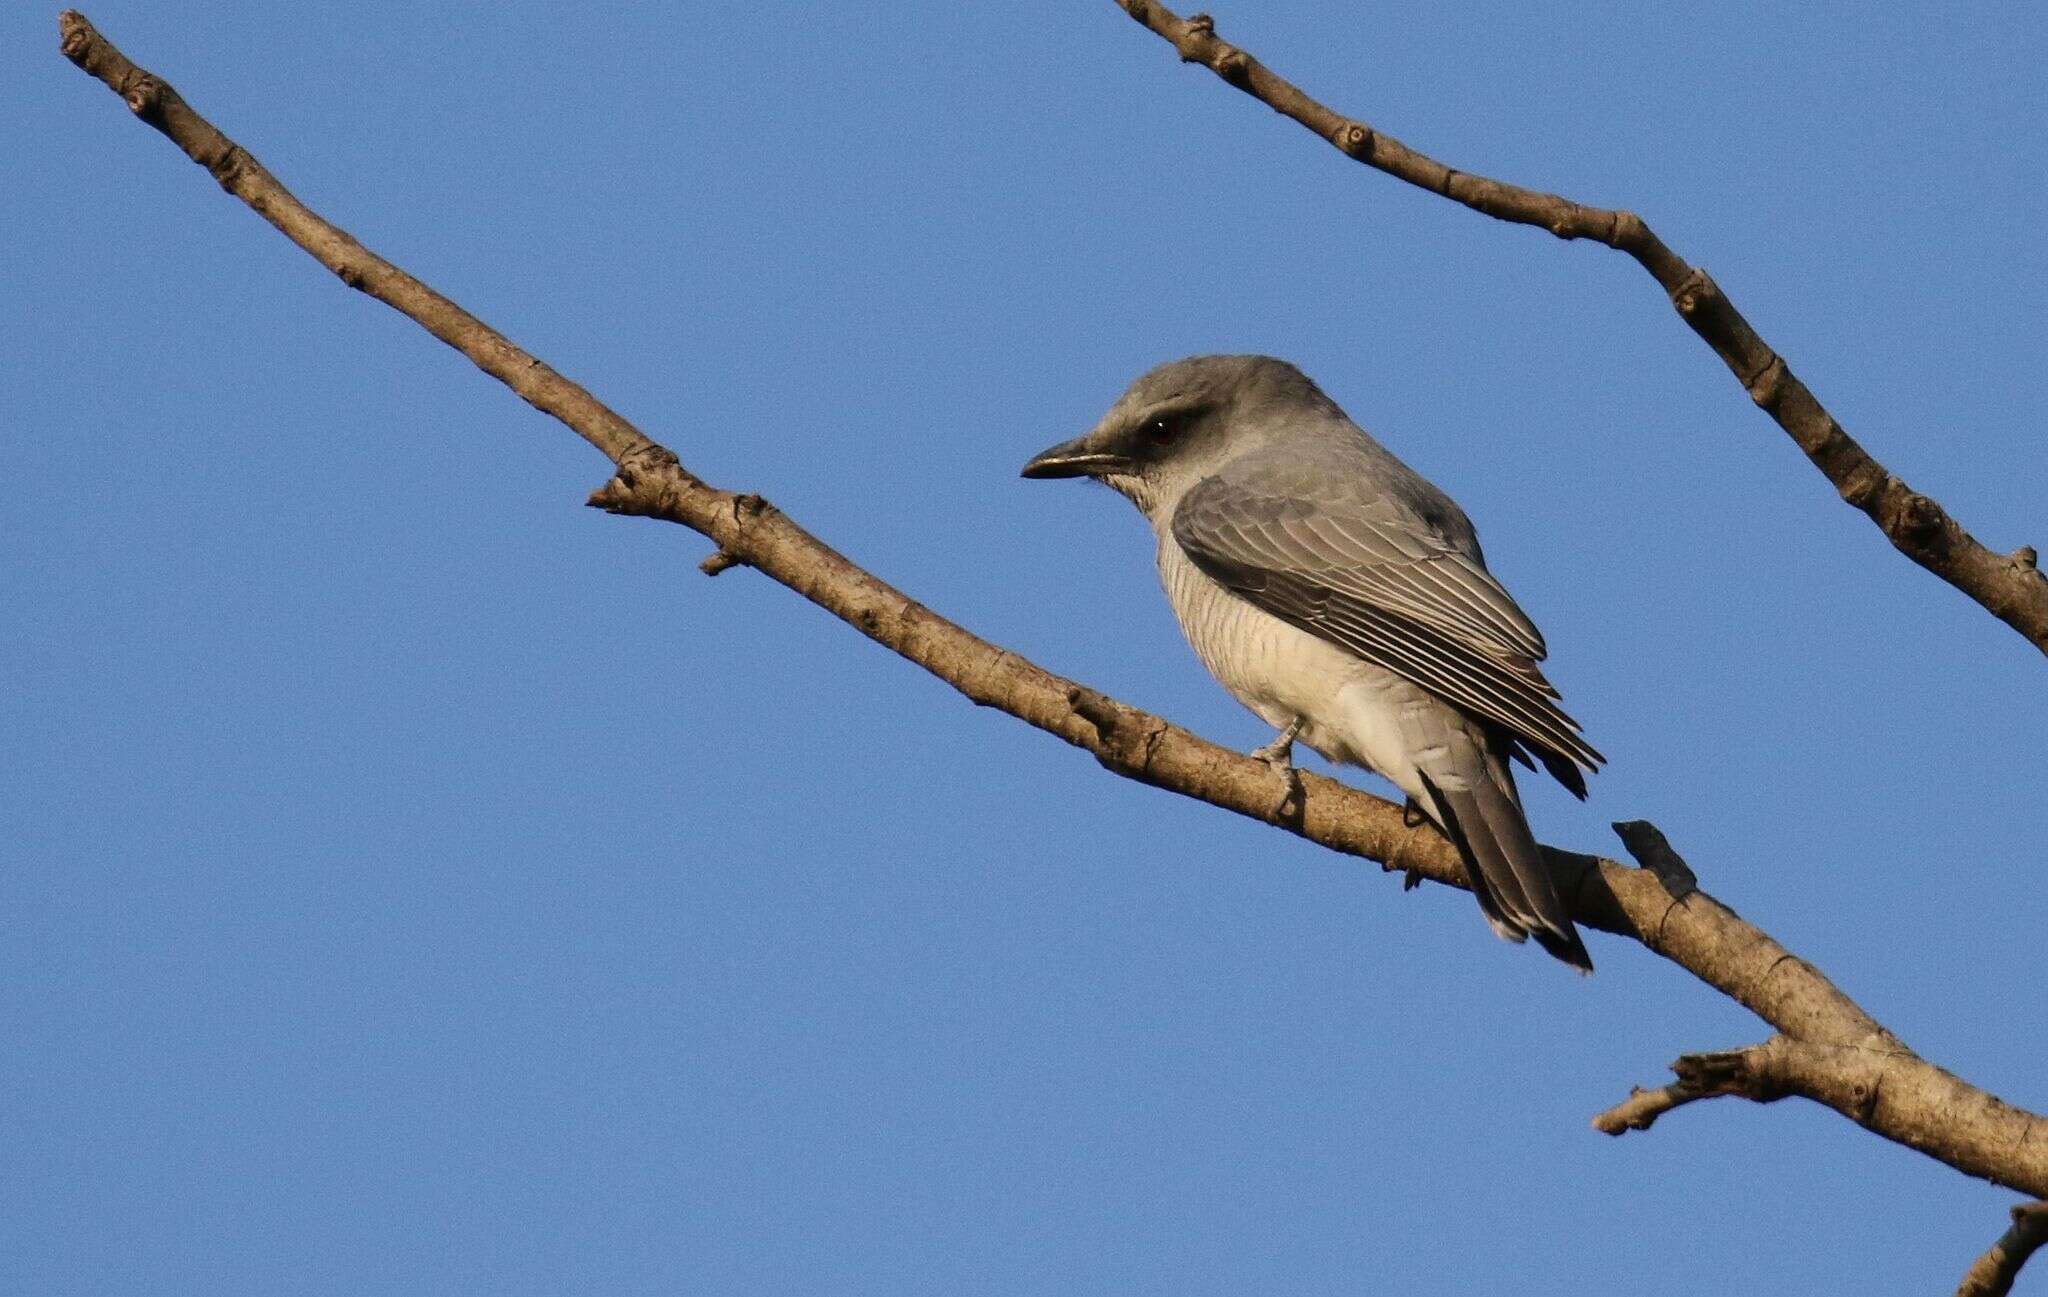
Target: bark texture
(1993, 1273)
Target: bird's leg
(1413, 816)
(1279, 754)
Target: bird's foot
(1279, 754)
(1414, 817)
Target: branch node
(2024, 559)
(1915, 518)
(1746, 1073)
(1625, 231)
(629, 490)
(1693, 292)
(1119, 746)
(1865, 483)
(1766, 388)
(227, 168)
(718, 561)
(1196, 34)
(145, 97)
(1356, 139)
(74, 35)
(1095, 708)
(1742, 1072)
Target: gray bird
(1340, 596)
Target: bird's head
(1182, 421)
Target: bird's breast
(1277, 670)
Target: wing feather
(1390, 592)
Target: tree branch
(1981, 1136)
(2007, 585)
(1700, 1076)
(1993, 1273)
(1879, 1084)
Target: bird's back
(1331, 462)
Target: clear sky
(414, 881)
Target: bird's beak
(1081, 457)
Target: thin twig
(1991, 1275)
(1984, 1138)
(1642, 1108)
(1746, 1072)
(2009, 586)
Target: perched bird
(1340, 596)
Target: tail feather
(1562, 768)
(1444, 812)
(1514, 890)
(1565, 772)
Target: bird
(1345, 600)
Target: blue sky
(417, 882)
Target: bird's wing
(1389, 591)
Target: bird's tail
(1481, 816)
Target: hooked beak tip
(1046, 466)
(1070, 460)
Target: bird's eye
(1164, 429)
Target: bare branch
(1975, 1133)
(1642, 1108)
(1992, 1274)
(2006, 585)
(1878, 1083)
(1700, 1076)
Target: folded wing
(1386, 589)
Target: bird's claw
(1279, 754)
(1413, 816)
(1291, 791)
